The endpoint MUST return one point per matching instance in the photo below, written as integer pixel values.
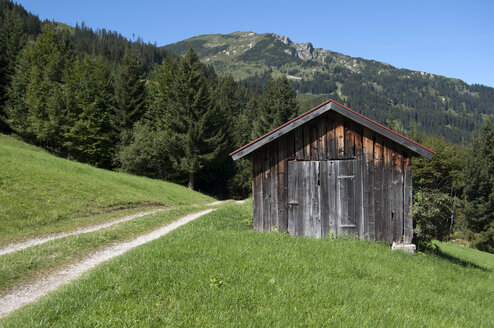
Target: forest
(98, 98)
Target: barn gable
(344, 111)
(333, 171)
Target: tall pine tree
(12, 40)
(130, 93)
(479, 189)
(192, 121)
(277, 105)
(35, 107)
(90, 132)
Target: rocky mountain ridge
(436, 104)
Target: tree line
(174, 120)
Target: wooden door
(345, 197)
(303, 199)
(322, 198)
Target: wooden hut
(330, 171)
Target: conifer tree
(130, 92)
(287, 106)
(90, 132)
(35, 107)
(12, 40)
(192, 122)
(479, 189)
(277, 105)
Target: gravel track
(41, 240)
(31, 292)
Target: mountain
(402, 98)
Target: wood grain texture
(378, 188)
(331, 138)
(321, 138)
(387, 179)
(293, 197)
(266, 191)
(340, 137)
(307, 142)
(407, 206)
(274, 187)
(283, 185)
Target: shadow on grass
(436, 250)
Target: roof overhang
(327, 106)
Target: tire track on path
(41, 240)
(29, 293)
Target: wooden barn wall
(384, 176)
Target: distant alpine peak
(303, 51)
(284, 39)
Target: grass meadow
(23, 266)
(42, 194)
(217, 272)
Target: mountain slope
(438, 105)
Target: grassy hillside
(217, 272)
(40, 193)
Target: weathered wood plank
(332, 196)
(306, 135)
(256, 191)
(397, 197)
(314, 152)
(407, 206)
(351, 196)
(378, 187)
(349, 141)
(340, 137)
(358, 143)
(305, 215)
(273, 150)
(387, 190)
(266, 190)
(359, 197)
(316, 189)
(283, 185)
(299, 144)
(293, 200)
(324, 197)
(368, 166)
(290, 147)
(330, 137)
(321, 139)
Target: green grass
(41, 194)
(217, 272)
(28, 264)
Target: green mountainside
(407, 99)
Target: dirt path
(30, 293)
(41, 240)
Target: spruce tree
(90, 132)
(267, 107)
(35, 107)
(277, 105)
(287, 106)
(12, 40)
(192, 122)
(130, 92)
(479, 189)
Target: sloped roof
(340, 109)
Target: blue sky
(452, 38)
